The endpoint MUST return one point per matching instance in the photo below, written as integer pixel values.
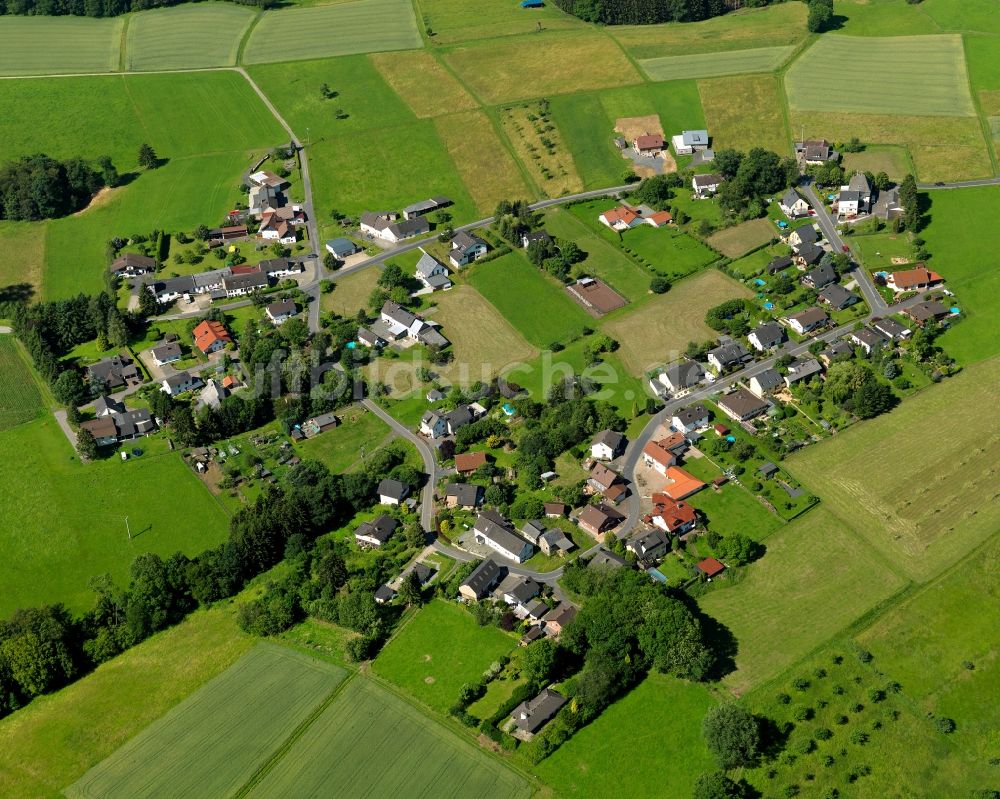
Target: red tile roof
(682, 484)
(710, 567)
(208, 333)
(470, 461)
(659, 452)
(620, 214)
(649, 141)
(660, 218)
(674, 514)
(918, 276)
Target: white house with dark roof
(869, 340)
(728, 355)
(802, 369)
(392, 492)
(493, 530)
(431, 273)
(281, 311)
(180, 383)
(690, 419)
(808, 320)
(766, 336)
(607, 445)
(792, 205)
(377, 532)
(466, 248)
(678, 377)
(765, 383)
(706, 185)
(168, 352)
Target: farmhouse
(268, 178)
(802, 369)
(119, 424)
(466, 496)
(179, 383)
(114, 372)
(384, 225)
(466, 248)
(263, 198)
(690, 419)
(648, 144)
(494, 531)
(869, 340)
(342, 248)
(855, 198)
(766, 336)
(837, 297)
(674, 517)
(726, 356)
(924, 312)
(681, 484)
(792, 205)
(778, 264)
(375, 533)
(132, 264)
(620, 218)
(742, 405)
(808, 320)
(274, 228)
(281, 311)
(598, 519)
(392, 492)
(319, 424)
(688, 141)
(530, 716)
(481, 580)
(891, 328)
(765, 383)
(815, 151)
(679, 377)
(211, 336)
(608, 445)
(920, 278)
(820, 276)
(165, 353)
(596, 296)
(425, 207)
(706, 185)
(431, 273)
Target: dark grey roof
(789, 198)
(132, 260)
(466, 241)
(810, 317)
(171, 350)
(248, 280)
(519, 587)
(779, 263)
(105, 404)
(459, 417)
(410, 227)
(810, 253)
(384, 594)
(610, 438)
(729, 354)
(837, 296)
(767, 469)
(179, 379)
(532, 715)
(743, 403)
(427, 265)
(432, 338)
(466, 494)
(485, 575)
(769, 378)
(494, 527)
(537, 235)
(423, 572)
(607, 559)
(859, 183)
(692, 414)
(769, 334)
(381, 529)
(822, 275)
(684, 374)
(398, 313)
(925, 311)
(802, 369)
(873, 339)
(707, 180)
(395, 489)
(649, 544)
(890, 327)
(281, 308)
(838, 349)
(807, 234)
(174, 285)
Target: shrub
(824, 733)
(857, 707)
(827, 760)
(801, 684)
(945, 725)
(865, 656)
(803, 713)
(805, 746)
(819, 673)
(783, 699)
(841, 719)
(859, 737)
(876, 694)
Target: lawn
(370, 742)
(467, 136)
(658, 331)
(439, 650)
(217, 738)
(57, 738)
(366, 26)
(483, 342)
(923, 514)
(350, 293)
(883, 18)
(423, 83)
(586, 122)
(341, 447)
(778, 24)
(42, 45)
(87, 535)
(744, 112)
(20, 401)
(531, 301)
(816, 578)
(928, 77)
(186, 37)
(892, 160)
(733, 509)
(22, 253)
(450, 21)
(661, 720)
(559, 63)
(962, 234)
(709, 65)
(740, 239)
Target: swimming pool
(768, 306)
(759, 282)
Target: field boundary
(241, 48)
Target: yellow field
(942, 148)
(484, 164)
(816, 578)
(740, 239)
(22, 254)
(538, 66)
(658, 330)
(426, 86)
(745, 112)
(936, 493)
(351, 293)
(555, 174)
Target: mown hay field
(20, 401)
(744, 112)
(924, 512)
(372, 743)
(214, 741)
(423, 83)
(738, 240)
(451, 21)
(708, 65)
(22, 256)
(891, 159)
(52, 45)
(367, 26)
(186, 37)
(927, 78)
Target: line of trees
(40, 187)
(97, 8)
(651, 12)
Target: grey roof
(519, 587)
(837, 296)
(341, 247)
(170, 351)
(375, 219)
(890, 327)
(728, 354)
(432, 338)
(211, 395)
(533, 529)
(213, 277)
(872, 339)
(427, 264)
(802, 370)
(769, 334)
(779, 263)
(105, 404)
(810, 253)
(281, 308)
(822, 275)
(557, 539)
(437, 282)
(849, 196)
(789, 198)
(695, 137)
(859, 183)
(398, 313)
(605, 558)
(611, 438)
(459, 417)
(272, 265)
(712, 179)
(249, 280)
(426, 205)
(768, 379)
(132, 260)
(466, 241)
(532, 715)
(394, 489)
(810, 317)
(743, 403)
(807, 234)
(767, 469)
(410, 227)
(838, 349)
(649, 544)
(384, 594)
(381, 529)
(130, 423)
(491, 525)
(692, 414)
(925, 311)
(174, 285)
(537, 235)
(486, 574)
(466, 494)
(684, 374)
(179, 379)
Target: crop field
(587, 123)
(51, 45)
(661, 718)
(816, 578)
(920, 517)
(438, 651)
(892, 160)
(540, 146)
(186, 37)
(928, 77)
(963, 256)
(366, 26)
(214, 740)
(659, 330)
(55, 740)
(43, 561)
(372, 743)
(744, 112)
(341, 447)
(740, 239)
(467, 137)
(781, 24)
(451, 21)
(22, 252)
(532, 302)
(482, 340)
(559, 63)
(710, 65)
(426, 86)
(20, 401)
(942, 148)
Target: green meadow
(186, 37)
(53, 45)
(710, 65)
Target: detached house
(115, 372)
(855, 198)
(765, 383)
(688, 141)
(808, 320)
(837, 297)
(607, 482)
(802, 369)
(431, 273)
(891, 328)
(820, 276)
(530, 716)
(342, 248)
(179, 383)
(920, 278)
(792, 205)
(672, 516)
(211, 336)
(620, 218)
(887, 206)
(608, 445)
(598, 519)
(924, 312)
(778, 264)
(678, 377)
(482, 580)
(690, 419)
(436, 424)
(392, 492)
(649, 545)
(742, 405)
(869, 340)
(375, 533)
(661, 455)
(706, 185)
(165, 353)
(807, 234)
(494, 531)
(727, 356)
(132, 264)
(648, 144)
(280, 312)
(117, 423)
(766, 336)
(467, 496)
(815, 151)
(466, 248)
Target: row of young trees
(40, 187)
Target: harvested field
(633, 127)
(541, 148)
(744, 112)
(708, 65)
(22, 255)
(426, 86)
(738, 240)
(658, 331)
(917, 515)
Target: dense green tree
(69, 389)
(86, 445)
(147, 157)
(737, 549)
(410, 590)
(716, 785)
(36, 649)
(39, 187)
(538, 662)
(820, 15)
(732, 735)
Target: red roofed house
(710, 567)
(468, 462)
(659, 219)
(659, 456)
(620, 218)
(648, 144)
(672, 517)
(917, 279)
(210, 336)
(681, 485)
(229, 382)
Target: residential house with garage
(532, 715)
(792, 205)
(649, 545)
(180, 383)
(815, 152)
(892, 329)
(728, 356)
(678, 377)
(690, 419)
(648, 144)
(802, 369)
(855, 199)
(766, 336)
(466, 248)
(706, 185)
(432, 274)
(114, 373)
(689, 141)
(807, 234)
(388, 226)
(167, 352)
(924, 312)
(482, 580)
(675, 517)
(607, 482)
(131, 264)
(281, 311)
(620, 218)
(373, 534)
(660, 455)
(920, 278)
(820, 276)
(493, 530)
(869, 340)
(117, 424)
(808, 320)
(608, 445)
(742, 405)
